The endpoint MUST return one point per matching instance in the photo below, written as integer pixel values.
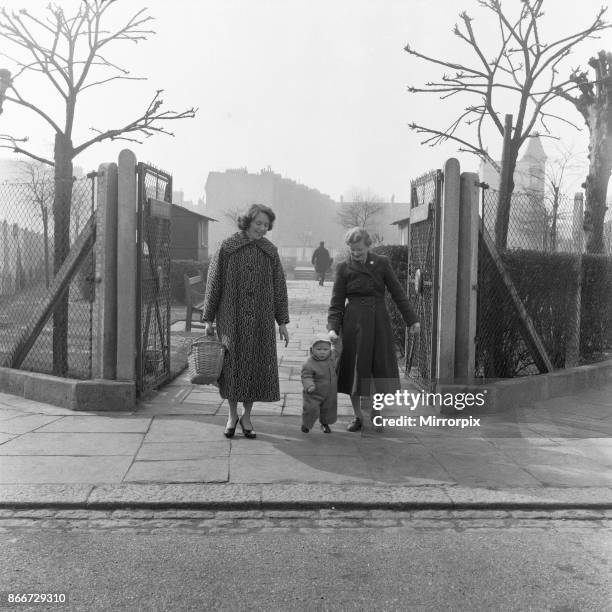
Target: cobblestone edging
(240, 521)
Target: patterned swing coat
(246, 293)
(358, 313)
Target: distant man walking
(322, 262)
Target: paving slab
(189, 470)
(25, 423)
(489, 471)
(63, 470)
(173, 451)
(270, 469)
(6, 437)
(98, 424)
(83, 444)
(8, 413)
(186, 429)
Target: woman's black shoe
(230, 431)
(354, 425)
(304, 429)
(248, 433)
(325, 429)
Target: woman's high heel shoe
(230, 431)
(248, 433)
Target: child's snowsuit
(322, 403)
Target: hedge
(398, 255)
(547, 284)
(596, 315)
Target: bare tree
(69, 52)
(524, 68)
(39, 180)
(594, 103)
(557, 171)
(232, 214)
(363, 210)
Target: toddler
(320, 383)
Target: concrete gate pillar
(467, 278)
(447, 296)
(105, 340)
(126, 267)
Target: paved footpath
(171, 452)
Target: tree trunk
(595, 105)
(555, 214)
(595, 190)
(61, 232)
(506, 186)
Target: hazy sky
(317, 90)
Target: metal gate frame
(423, 275)
(153, 278)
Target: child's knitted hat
(320, 338)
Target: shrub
(547, 285)
(596, 302)
(398, 255)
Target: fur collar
(240, 240)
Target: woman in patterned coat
(357, 311)
(246, 292)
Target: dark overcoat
(321, 260)
(358, 313)
(246, 293)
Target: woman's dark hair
(246, 218)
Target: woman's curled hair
(246, 218)
(356, 234)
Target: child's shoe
(325, 428)
(305, 429)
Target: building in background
(304, 216)
(529, 222)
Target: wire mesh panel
(33, 247)
(543, 261)
(423, 263)
(153, 292)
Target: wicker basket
(205, 360)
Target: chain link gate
(153, 297)
(423, 271)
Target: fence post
(447, 296)
(126, 271)
(105, 340)
(467, 277)
(572, 351)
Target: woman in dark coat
(246, 292)
(357, 311)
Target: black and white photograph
(306, 305)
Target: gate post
(467, 278)
(126, 267)
(447, 295)
(105, 340)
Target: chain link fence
(153, 361)
(31, 248)
(545, 263)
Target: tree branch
(147, 124)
